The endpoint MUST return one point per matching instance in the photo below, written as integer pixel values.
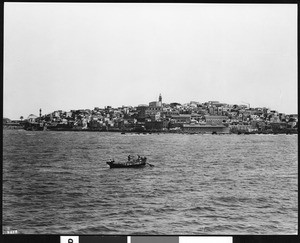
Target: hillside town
(211, 117)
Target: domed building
(32, 118)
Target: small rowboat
(135, 163)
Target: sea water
(59, 183)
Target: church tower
(160, 98)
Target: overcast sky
(74, 56)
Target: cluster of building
(193, 117)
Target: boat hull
(129, 164)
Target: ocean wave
(195, 183)
(96, 229)
(199, 208)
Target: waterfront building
(154, 125)
(274, 112)
(243, 107)
(202, 111)
(278, 126)
(295, 116)
(195, 117)
(142, 111)
(12, 124)
(215, 120)
(213, 102)
(55, 114)
(275, 119)
(32, 118)
(205, 129)
(181, 118)
(194, 104)
(175, 105)
(6, 120)
(213, 110)
(220, 110)
(69, 114)
(169, 112)
(243, 128)
(95, 125)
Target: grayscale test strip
(148, 239)
(145, 239)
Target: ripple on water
(198, 185)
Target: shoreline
(153, 131)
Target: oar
(149, 163)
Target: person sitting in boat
(138, 158)
(129, 157)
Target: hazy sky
(73, 56)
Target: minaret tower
(159, 98)
(40, 113)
